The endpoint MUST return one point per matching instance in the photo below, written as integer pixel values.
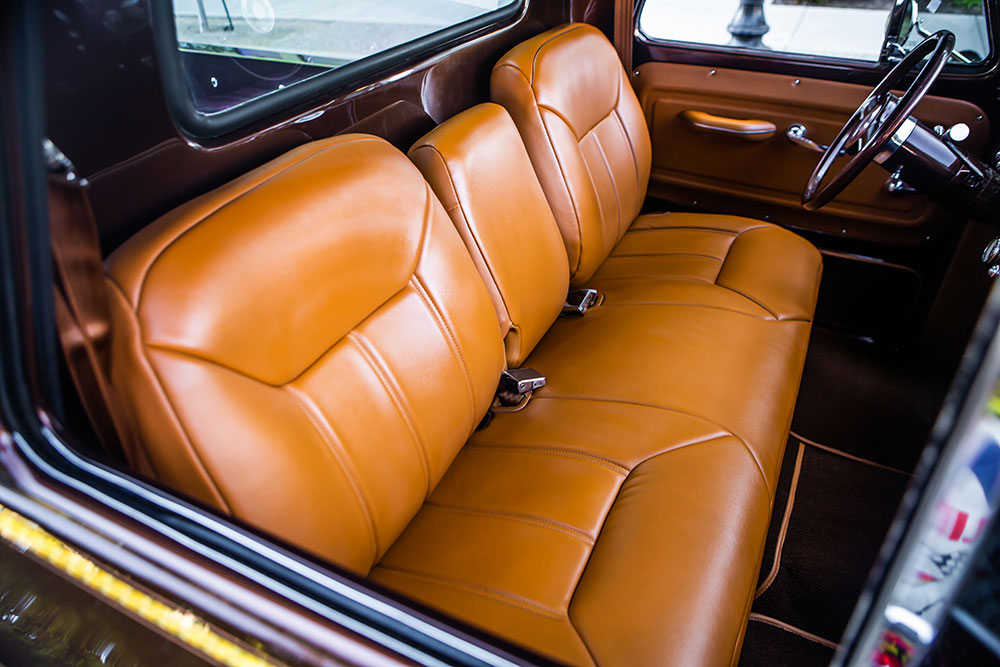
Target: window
(232, 54)
(852, 29)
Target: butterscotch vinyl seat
(311, 347)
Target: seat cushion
(594, 532)
(718, 261)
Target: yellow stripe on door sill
(193, 631)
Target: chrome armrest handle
(797, 135)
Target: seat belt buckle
(578, 301)
(522, 380)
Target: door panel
(746, 176)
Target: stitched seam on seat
(668, 254)
(498, 596)
(194, 223)
(538, 50)
(194, 355)
(555, 156)
(621, 488)
(597, 198)
(385, 377)
(565, 120)
(559, 452)
(468, 224)
(692, 305)
(614, 187)
(659, 276)
(518, 517)
(770, 312)
(628, 140)
(340, 454)
(760, 467)
(733, 289)
(449, 336)
(686, 228)
(158, 384)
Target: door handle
(749, 130)
(797, 135)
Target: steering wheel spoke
(874, 123)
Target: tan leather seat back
(585, 132)
(307, 347)
(477, 165)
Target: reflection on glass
(852, 29)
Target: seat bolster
(173, 457)
(762, 269)
(553, 529)
(776, 269)
(672, 575)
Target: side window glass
(845, 29)
(234, 51)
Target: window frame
(987, 66)
(199, 125)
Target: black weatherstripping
(353, 75)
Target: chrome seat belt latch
(578, 301)
(522, 380)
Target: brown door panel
(732, 174)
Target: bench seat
(311, 347)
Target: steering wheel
(879, 117)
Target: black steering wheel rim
(877, 119)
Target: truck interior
(620, 348)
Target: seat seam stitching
(384, 374)
(558, 452)
(765, 318)
(690, 305)
(519, 517)
(667, 254)
(687, 228)
(496, 595)
(614, 503)
(199, 357)
(446, 331)
(628, 139)
(614, 186)
(760, 467)
(538, 49)
(662, 276)
(722, 268)
(597, 197)
(770, 312)
(325, 431)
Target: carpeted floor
(861, 421)
(869, 401)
